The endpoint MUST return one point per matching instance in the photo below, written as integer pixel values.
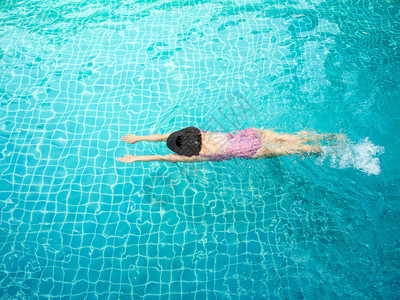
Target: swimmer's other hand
(127, 159)
(131, 138)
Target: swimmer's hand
(127, 159)
(131, 138)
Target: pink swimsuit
(242, 143)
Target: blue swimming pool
(77, 75)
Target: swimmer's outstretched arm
(170, 158)
(132, 139)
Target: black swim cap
(185, 142)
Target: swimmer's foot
(336, 139)
(131, 138)
(317, 150)
(335, 136)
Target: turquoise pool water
(77, 75)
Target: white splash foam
(361, 155)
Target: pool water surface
(78, 75)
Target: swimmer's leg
(271, 137)
(275, 151)
(310, 137)
(300, 149)
(317, 137)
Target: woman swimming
(193, 145)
